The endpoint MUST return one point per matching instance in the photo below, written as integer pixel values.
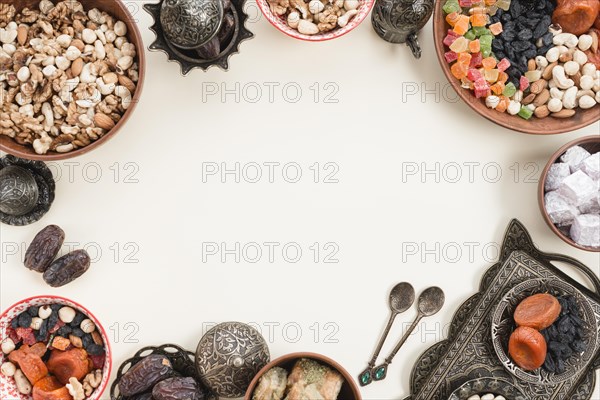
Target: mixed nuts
(315, 16)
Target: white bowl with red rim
(8, 388)
(279, 22)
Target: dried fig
(49, 388)
(145, 374)
(538, 311)
(576, 16)
(527, 347)
(43, 248)
(71, 363)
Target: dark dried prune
(67, 268)
(145, 374)
(25, 320)
(43, 248)
(177, 389)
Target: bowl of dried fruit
(569, 193)
(71, 75)
(544, 331)
(52, 348)
(523, 64)
(303, 375)
(315, 20)
(487, 389)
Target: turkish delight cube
(586, 230)
(591, 166)
(556, 174)
(559, 210)
(578, 188)
(574, 157)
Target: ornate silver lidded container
(229, 356)
(26, 190)
(198, 33)
(399, 21)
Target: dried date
(145, 374)
(67, 268)
(43, 248)
(177, 389)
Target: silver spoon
(430, 302)
(402, 297)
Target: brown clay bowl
(120, 11)
(535, 126)
(591, 144)
(349, 389)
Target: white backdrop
(400, 181)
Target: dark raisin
(515, 9)
(64, 331)
(525, 34)
(43, 248)
(52, 320)
(145, 374)
(33, 311)
(87, 340)
(499, 55)
(79, 317)
(25, 320)
(15, 323)
(520, 45)
(56, 307)
(529, 54)
(94, 349)
(78, 332)
(505, 17)
(67, 268)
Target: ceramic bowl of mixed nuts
(315, 20)
(52, 349)
(523, 64)
(71, 74)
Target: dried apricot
(50, 388)
(67, 364)
(538, 311)
(33, 367)
(527, 347)
(576, 16)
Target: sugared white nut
(120, 28)
(513, 107)
(49, 71)
(23, 74)
(580, 57)
(541, 62)
(555, 105)
(588, 69)
(8, 369)
(64, 40)
(36, 323)
(492, 101)
(8, 346)
(62, 63)
(586, 82)
(585, 42)
(586, 102)
(552, 54)
(87, 326)
(22, 383)
(88, 36)
(570, 98)
(72, 53)
(293, 19)
(45, 311)
(571, 68)
(66, 314)
(315, 6)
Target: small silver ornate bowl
(229, 356)
(198, 33)
(26, 190)
(481, 386)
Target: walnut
(43, 93)
(279, 7)
(27, 16)
(75, 388)
(7, 13)
(6, 63)
(92, 381)
(328, 18)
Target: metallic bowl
(502, 325)
(189, 24)
(481, 386)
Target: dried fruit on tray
(538, 311)
(71, 363)
(576, 16)
(527, 347)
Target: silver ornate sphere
(229, 356)
(189, 24)
(18, 191)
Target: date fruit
(528, 348)
(67, 268)
(177, 389)
(145, 374)
(538, 311)
(43, 248)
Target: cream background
(170, 295)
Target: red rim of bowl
(89, 314)
(279, 23)
(542, 191)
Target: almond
(564, 113)
(97, 338)
(528, 99)
(79, 44)
(537, 86)
(128, 83)
(542, 98)
(77, 66)
(104, 121)
(547, 74)
(22, 32)
(541, 112)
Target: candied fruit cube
(497, 88)
(450, 56)
(480, 31)
(488, 62)
(459, 70)
(474, 74)
(525, 112)
(509, 90)
(451, 6)
(502, 76)
(490, 3)
(479, 19)
(503, 4)
(503, 64)
(523, 83)
(466, 83)
(465, 3)
(476, 60)
(503, 105)
(464, 58)
(491, 75)
(449, 39)
(496, 28)
(452, 18)
(461, 26)
(470, 35)
(460, 45)
(482, 93)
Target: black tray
(468, 352)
